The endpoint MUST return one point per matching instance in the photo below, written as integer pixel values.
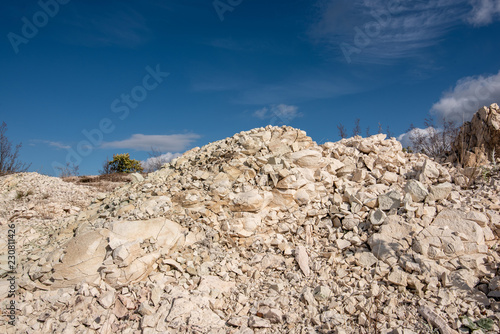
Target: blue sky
(83, 80)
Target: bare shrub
(106, 168)
(155, 160)
(342, 131)
(432, 141)
(9, 155)
(69, 170)
(356, 130)
(388, 132)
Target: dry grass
(105, 183)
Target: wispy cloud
(221, 83)
(297, 88)
(468, 95)
(123, 26)
(376, 31)
(246, 89)
(165, 143)
(484, 12)
(233, 45)
(282, 112)
(56, 144)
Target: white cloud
(150, 163)
(165, 143)
(280, 113)
(484, 12)
(56, 144)
(377, 31)
(468, 95)
(261, 113)
(405, 140)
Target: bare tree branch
(9, 162)
(388, 131)
(432, 141)
(106, 168)
(69, 170)
(342, 131)
(356, 131)
(155, 160)
(380, 130)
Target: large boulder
(82, 257)
(417, 190)
(85, 258)
(306, 158)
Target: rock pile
(480, 137)
(32, 196)
(268, 232)
(34, 201)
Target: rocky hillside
(38, 204)
(268, 232)
(479, 140)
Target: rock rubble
(40, 206)
(268, 232)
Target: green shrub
(122, 163)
